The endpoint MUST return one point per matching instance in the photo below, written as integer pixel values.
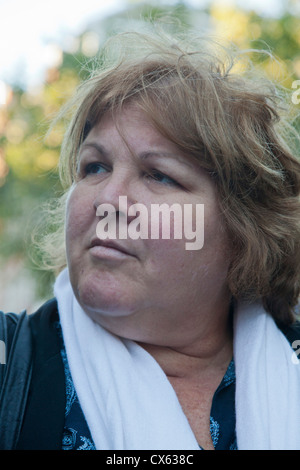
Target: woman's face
(144, 288)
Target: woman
(148, 344)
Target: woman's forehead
(138, 133)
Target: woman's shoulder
(46, 312)
(16, 324)
(45, 317)
(43, 326)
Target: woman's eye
(94, 168)
(162, 178)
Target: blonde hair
(232, 124)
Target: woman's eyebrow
(143, 155)
(96, 146)
(173, 155)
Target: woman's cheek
(79, 212)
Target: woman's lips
(109, 249)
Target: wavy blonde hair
(233, 124)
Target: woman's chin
(99, 299)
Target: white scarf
(129, 404)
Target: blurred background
(45, 50)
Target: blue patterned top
(77, 436)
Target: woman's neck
(206, 354)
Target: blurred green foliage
(28, 159)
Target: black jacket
(39, 426)
(32, 382)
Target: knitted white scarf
(129, 404)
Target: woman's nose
(116, 190)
